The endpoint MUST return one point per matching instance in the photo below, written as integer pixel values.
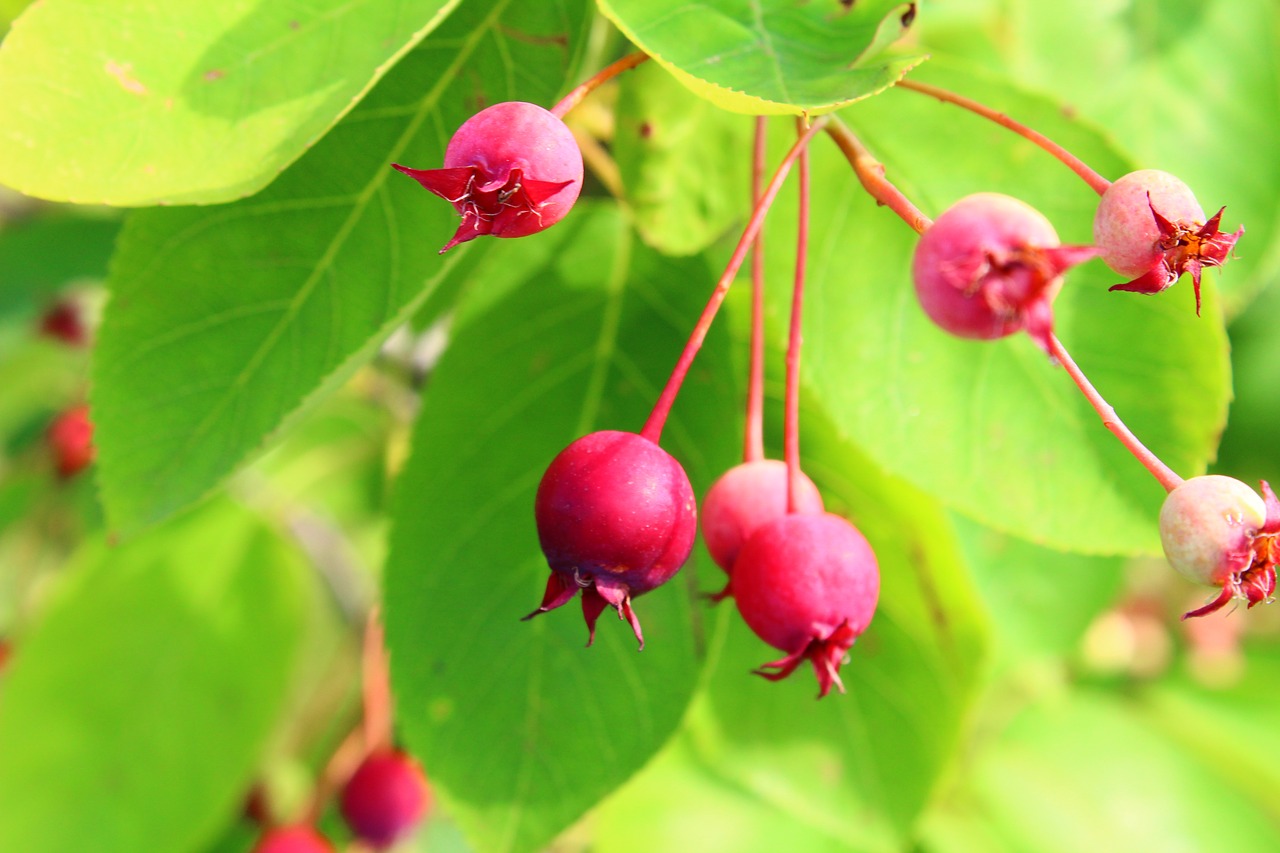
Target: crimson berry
(511, 170)
(1149, 225)
(1217, 531)
(744, 498)
(300, 838)
(386, 798)
(808, 585)
(70, 439)
(990, 266)
(616, 518)
(64, 321)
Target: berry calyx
(70, 440)
(990, 266)
(1149, 225)
(511, 170)
(807, 585)
(300, 838)
(1215, 530)
(386, 798)
(616, 518)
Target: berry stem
(870, 172)
(791, 422)
(610, 71)
(1095, 181)
(753, 439)
(662, 408)
(1163, 473)
(376, 685)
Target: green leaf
(992, 428)
(770, 56)
(38, 257)
(523, 729)
(224, 321)
(135, 102)
(138, 706)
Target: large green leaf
(992, 428)
(137, 102)
(521, 728)
(223, 321)
(771, 56)
(137, 708)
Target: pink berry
(70, 440)
(808, 585)
(511, 170)
(386, 798)
(1150, 226)
(990, 266)
(744, 498)
(1216, 531)
(616, 518)
(300, 838)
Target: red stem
(870, 172)
(1162, 472)
(753, 439)
(576, 95)
(1095, 181)
(662, 408)
(376, 685)
(791, 424)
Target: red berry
(70, 439)
(301, 838)
(511, 170)
(808, 585)
(990, 266)
(64, 322)
(386, 798)
(744, 498)
(616, 518)
(1216, 531)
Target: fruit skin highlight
(1215, 530)
(511, 170)
(616, 517)
(807, 584)
(386, 798)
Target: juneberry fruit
(300, 838)
(511, 170)
(807, 584)
(64, 321)
(990, 266)
(1217, 531)
(1150, 226)
(616, 518)
(70, 440)
(744, 498)
(386, 798)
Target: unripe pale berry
(511, 170)
(301, 838)
(990, 266)
(386, 798)
(616, 518)
(807, 585)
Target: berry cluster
(616, 514)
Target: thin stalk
(662, 408)
(870, 172)
(1163, 473)
(1095, 181)
(376, 686)
(753, 439)
(576, 95)
(791, 422)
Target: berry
(511, 170)
(1216, 531)
(808, 585)
(386, 798)
(990, 266)
(300, 838)
(70, 438)
(64, 321)
(1149, 225)
(616, 518)
(744, 498)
